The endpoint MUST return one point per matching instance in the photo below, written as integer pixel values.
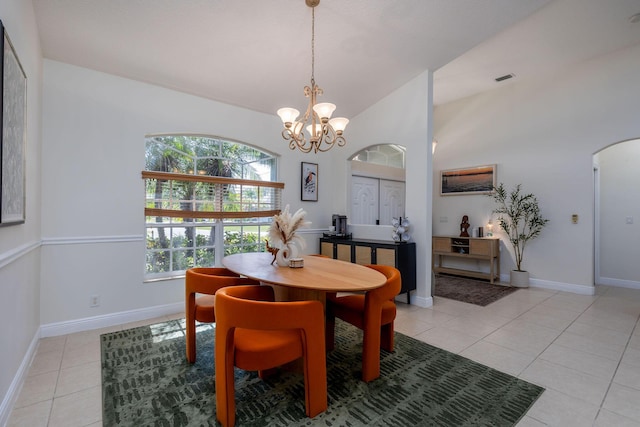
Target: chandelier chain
(313, 43)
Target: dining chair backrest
(205, 282)
(255, 333)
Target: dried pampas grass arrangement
(283, 228)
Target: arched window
(206, 197)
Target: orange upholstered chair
(205, 281)
(374, 313)
(256, 334)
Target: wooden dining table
(318, 276)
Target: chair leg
(225, 388)
(330, 330)
(386, 337)
(315, 383)
(191, 327)
(371, 355)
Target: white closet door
(391, 200)
(364, 201)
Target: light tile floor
(585, 350)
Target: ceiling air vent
(505, 77)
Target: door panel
(364, 202)
(391, 200)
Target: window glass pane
(384, 154)
(182, 260)
(158, 261)
(205, 257)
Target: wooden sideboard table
(480, 248)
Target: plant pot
(519, 279)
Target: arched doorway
(617, 215)
(377, 185)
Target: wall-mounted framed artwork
(309, 182)
(13, 116)
(473, 180)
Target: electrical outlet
(574, 218)
(629, 220)
(94, 301)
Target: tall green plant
(519, 217)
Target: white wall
(93, 196)
(620, 199)
(404, 118)
(20, 244)
(542, 133)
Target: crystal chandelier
(316, 130)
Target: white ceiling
(256, 54)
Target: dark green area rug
(478, 292)
(146, 381)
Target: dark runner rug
(146, 381)
(463, 289)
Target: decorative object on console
(400, 229)
(490, 229)
(464, 226)
(321, 133)
(521, 220)
(283, 237)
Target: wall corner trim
(12, 255)
(13, 392)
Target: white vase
(284, 255)
(519, 279)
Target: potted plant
(520, 218)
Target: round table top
(318, 273)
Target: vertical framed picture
(13, 116)
(474, 180)
(309, 182)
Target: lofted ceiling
(257, 54)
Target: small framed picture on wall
(309, 182)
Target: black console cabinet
(399, 255)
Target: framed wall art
(474, 180)
(13, 115)
(309, 182)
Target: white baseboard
(556, 286)
(423, 302)
(18, 380)
(107, 320)
(564, 287)
(608, 281)
(415, 300)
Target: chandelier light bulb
(288, 115)
(317, 132)
(339, 124)
(324, 110)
